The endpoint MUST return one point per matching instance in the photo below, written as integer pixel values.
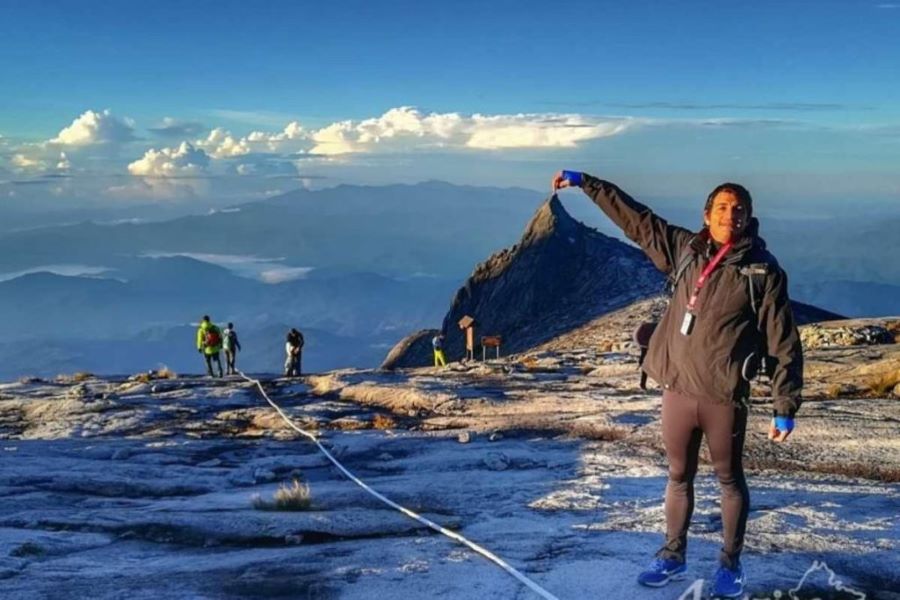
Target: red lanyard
(705, 274)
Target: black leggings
(209, 361)
(684, 421)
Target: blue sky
(169, 101)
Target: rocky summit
(560, 275)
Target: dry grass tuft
(894, 328)
(349, 424)
(528, 362)
(166, 373)
(877, 472)
(856, 470)
(383, 422)
(294, 497)
(161, 373)
(603, 433)
(883, 383)
(841, 390)
(833, 390)
(531, 364)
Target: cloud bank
(95, 128)
(183, 161)
(407, 129)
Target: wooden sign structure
(490, 341)
(467, 324)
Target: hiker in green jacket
(729, 309)
(209, 343)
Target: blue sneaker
(661, 571)
(729, 583)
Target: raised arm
(659, 240)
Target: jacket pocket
(725, 376)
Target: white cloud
(157, 188)
(282, 274)
(266, 167)
(183, 161)
(405, 128)
(536, 131)
(286, 139)
(63, 164)
(67, 270)
(25, 163)
(267, 270)
(95, 128)
(221, 144)
(292, 131)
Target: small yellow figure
(437, 342)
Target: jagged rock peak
(551, 217)
(549, 220)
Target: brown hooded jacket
(707, 363)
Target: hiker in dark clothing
(729, 309)
(209, 343)
(232, 346)
(293, 349)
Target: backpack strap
(684, 261)
(756, 285)
(756, 282)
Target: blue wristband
(573, 177)
(784, 424)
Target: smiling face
(726, 218)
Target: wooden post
(467, 324)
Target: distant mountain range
(361, 265)
(432, 228)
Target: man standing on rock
(293, 349)
(701, 353)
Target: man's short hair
(206, 317)
(739, 191)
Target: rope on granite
(409, 513)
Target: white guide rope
(413, 515)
